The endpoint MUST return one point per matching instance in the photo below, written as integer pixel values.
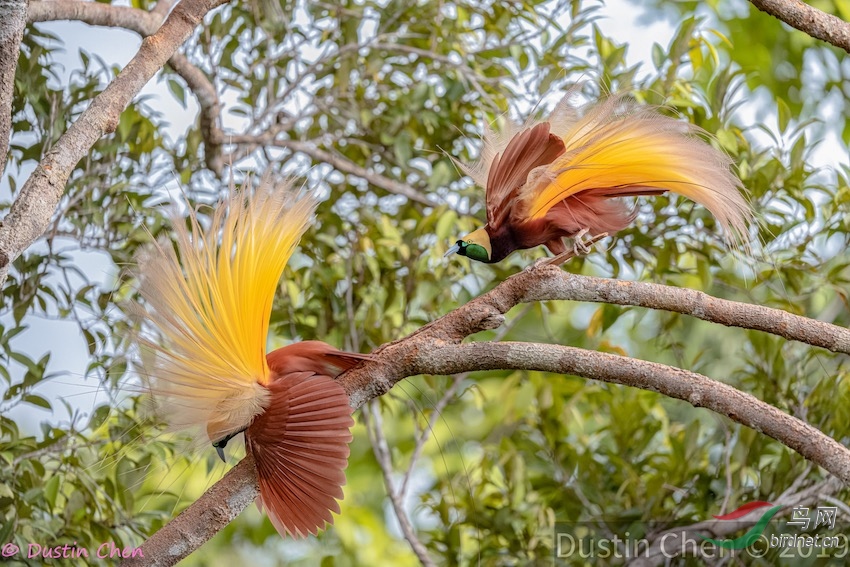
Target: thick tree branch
(146, 24)
(95, 14)
(210, 113)
(697, 390)
(436, 349)
(13, 19)
(195, 525)
(544, 282)
(32, 210)
(812, 21)
(162, 7)
(567, 286)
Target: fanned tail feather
(300, 447)
(619, 148)
(208, 299)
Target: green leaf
(99, 417)
(37, 401)
(402, 148)
(658, 55)
(51, 489)
(784, 114)
(178, 91)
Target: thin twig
(339, 162)
(382, 454)
(423, 437)
(697, 390)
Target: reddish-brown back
(312, 356)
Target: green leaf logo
(753, 534)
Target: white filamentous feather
(207, 302)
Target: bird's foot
(581, 247)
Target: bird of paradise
(207, 302)
(562, 177)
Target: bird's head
(235, 413)
(221, 431)
(221, 443)
(475, 246)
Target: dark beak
(222, 443)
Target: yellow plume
(619, 145)
(208, 303)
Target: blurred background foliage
(364, 100)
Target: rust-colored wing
(300, 447)
(313, 356)
(509, 170)
(616, 147)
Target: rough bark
(34, 206)
(13, 19)
(697, 390)
(216, 508)
(812, 21)
(694, 303)
(146, 24)
(436, 349)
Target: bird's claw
(580, 246)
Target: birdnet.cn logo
(751, 531)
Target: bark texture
(13, 19)
(37, 200)
(805, 18)
(437, 348)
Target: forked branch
(436, 349)
(145, 24)
(37, 200)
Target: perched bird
(562, 177)
(207, 303)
